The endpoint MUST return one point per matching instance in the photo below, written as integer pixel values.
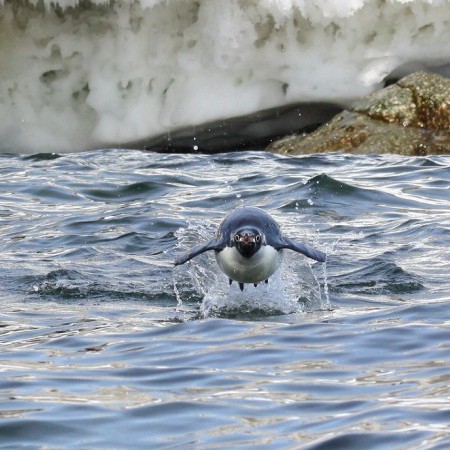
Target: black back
(249, 217)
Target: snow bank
(92, 74)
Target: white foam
(297, 287)
(78, 77)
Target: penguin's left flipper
(303, 249)
(211, 245)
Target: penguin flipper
(211, 245)
(310, 252)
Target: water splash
(327, 302)
(224, 300)
(296, 287)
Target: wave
(377, 276)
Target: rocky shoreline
(410, 117)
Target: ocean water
(105, 344)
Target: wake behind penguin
(249, 249)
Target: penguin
(249, 247)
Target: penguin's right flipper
(211, 245)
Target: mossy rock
(411, 117)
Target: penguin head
(247, 241)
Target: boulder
(410, 117)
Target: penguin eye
(258, 238)
(236, 237)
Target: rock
(248, 132)
(411, 117)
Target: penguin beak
(247, 239)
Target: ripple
(131, 192)
(100, 333)
(378, 276)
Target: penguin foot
(241, 285)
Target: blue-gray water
(105, 345)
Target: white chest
(257, 268)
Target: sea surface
(104, 344)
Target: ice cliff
(79, 74)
